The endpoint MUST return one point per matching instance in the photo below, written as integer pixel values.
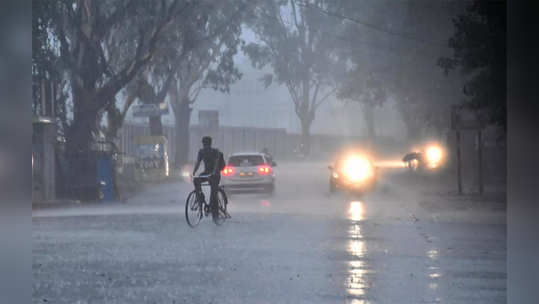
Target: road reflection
(434, 273)
(356, 212)
(433, 254)
(357, 282)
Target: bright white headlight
(357, 169)
(434, 154)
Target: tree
(44, 59)
(138, 89)
(479, 51)
(395, 43)
(90, 36)
(294, 41)
(203, 57)
(368, 90)
(194, 51)
(49, 81)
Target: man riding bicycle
(214, 162)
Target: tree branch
(196, 91)
(104, 25)
(128, 102)
(119, 80)
(293, 4)
(315, 95)
(317, 104)
(164, 90)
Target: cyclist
(214, 162)
(269, 157)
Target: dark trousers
(214, 181)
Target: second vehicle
(352, 172)
(249, 172)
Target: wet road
(299, 246)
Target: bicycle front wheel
(193, 210)
(220, 214)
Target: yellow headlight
(434, 155)
(357, 169)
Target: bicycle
(196, 207)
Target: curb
(69, 204)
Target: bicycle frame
(204, 207)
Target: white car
(249, 172)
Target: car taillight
(264, 170)
(228, 171)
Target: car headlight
(357, 169)
(434, 155)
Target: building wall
(232, 139)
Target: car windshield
(246, 160)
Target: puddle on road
(434, 274)
(433, 254)
(357, 301)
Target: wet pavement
(300, 245)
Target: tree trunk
(368, 115)
(414, 129)
(182, 115)
(156, 126)
(80, 134)
(306, 123)
(306, 117)
(409, 115)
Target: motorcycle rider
(411, 157)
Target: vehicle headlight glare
(357, 169)
(434, 155)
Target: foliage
(98, 47)
(479, 50)
(368, 89)
(294, 41)
(393, 45)
(200, 56)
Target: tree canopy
(479, 51)
(295, 41)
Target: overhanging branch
(324, 98)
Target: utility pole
(43, 98)
(480, 159)
(459, 173)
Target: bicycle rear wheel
(220, 214)
(193, 210)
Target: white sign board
(147, 110)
